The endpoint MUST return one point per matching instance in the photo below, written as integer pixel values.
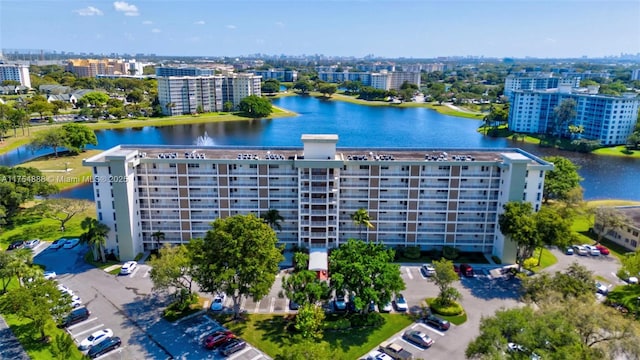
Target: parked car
(569, 251)
(217, 338)
(427, 270)
(436, 322)
(232, 346)
(95, 338)
(75, 301)
(32, 243)
(378, 355)
(385, 308)
(104, 347)
(456, 268)
(395, 350)
(351, 305)
(339, 304)
(218, 302)
(65, 290)
(57, 244)
(592, 250)
(128, 267)
(71, 243)
(419, 338)
(50, 275)
(16, 245)
(603, 250)
(601, 288)
(580, 250)
(466, 270)
(76, 316)
(293, 305)
(372, 307)
(401, 303)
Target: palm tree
(273, 219)
(360, 218)
(158, 236)
(95, 235)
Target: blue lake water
(362, 126)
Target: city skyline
(409, 29)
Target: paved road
(10, 348)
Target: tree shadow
(274, 328)
(493, 288)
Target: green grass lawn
(28, 227)
(546, 260)
(620, 151)
(29, 339)
(55, 168)
(471, 258)
(268, 333)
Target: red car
(217, 338)
(456, 268)
(466, 270)
(603, 250)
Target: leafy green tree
(309, 321)
(221, 263)
(53, 138)
(303, 86)
(78, 136)
(304, 287)
(444, 277)
(519, 225)
(366, 271)
(60, 105)
(63, 345)
(273, 219)
(5, 125)
(172, 269)
(575, 282)
(361, 218)
(41, 107)
(254, 106)
(10, 83)
(18, 118)
(36, 301)
(561, 180)
(95, 99)
(607, 219)
(20, 184)
(553, 229)
(227, 106)
(135, 96)
(307, 350)
(270, 86)
(328, 89)
(61, 209)
(95, 236)
(563, 114)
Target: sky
(384, 28)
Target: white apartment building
(536, 81)
(419, 197)
(609, 119)
(15, 72)
(635, 74)
(180, 95)
(628, 235)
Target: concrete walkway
(10, 347)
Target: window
(99, 205)
(95, 170)
(97, 192)
(114, 216)
(100, 216)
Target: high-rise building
(183, 71)
(94, 67)
(606, 118)
(635, 74)
(536, 81)
(15, 72)
(428, 198)
(281, 75)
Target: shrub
(530, 263)
(450, 253)
(412, 252)
(340, 324)
(452, 309)
(496, 259)
(372, 319)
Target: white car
(50, 275)
(64, 289)
(128, 267)
(386, 307)
(592, 250)
(95, 338)
(378, 355)
(601, 288)
(218, 302)
(71, 243)
(580, 250)
(428, 270)
(401, 303)
(32, 243)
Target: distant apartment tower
(180, 95)
(434, 67)
(627, 235)
(384, 80)
(183, 71)
(280, 75)
(536, 81)
(608, 119)
(635, 74)
(93, 67)
(15, 72)
(428, 198)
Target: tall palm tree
(95, 235)
(361, 218)
(158, 236)
(273, 219)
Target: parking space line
(146, 274)
(88, 330)
(257, 357)
(410, 343)
(81, 323)
(134, 272)
(272, 304)
(247, 349)
(409, 273)
(430, 328)
(243, 303)
(117, 351)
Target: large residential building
(536, 81)
(184, 71)
(15, 72)
(635, 74)
(281, 75)
(186, 94)
(94, 67)
(628, 235)
(385, 80)
(415, 197)
(608, 119)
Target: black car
(232, 346)
(76, 316)
(104, 347)
(436, 322)
(16, 245)
(293, 305)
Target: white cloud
(279, 24)
(550, 40)
(231, 27)
(156, 30)
(126, 8)
(200, 22)
(88, 11)
(147, 22)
